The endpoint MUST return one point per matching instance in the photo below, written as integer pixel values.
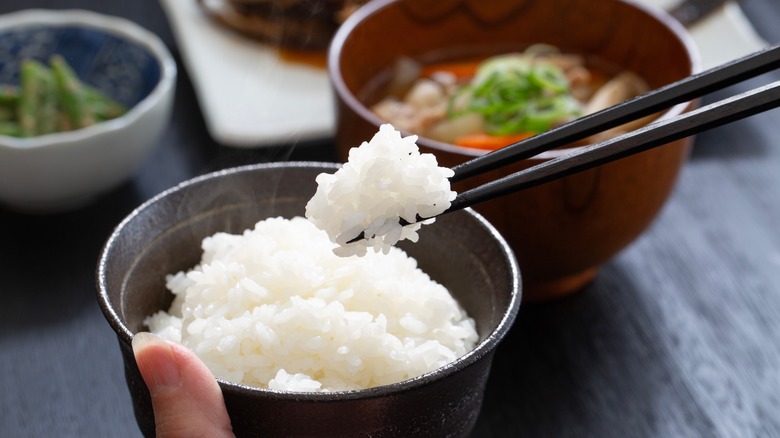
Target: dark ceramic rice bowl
(461, 250)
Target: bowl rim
(373, 7)
(117, 26)
(484, 347)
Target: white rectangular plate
(249, 96)
(723, 36)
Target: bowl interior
(122, 69)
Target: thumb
(186, 398)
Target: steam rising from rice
(384, 180)
(276, 308)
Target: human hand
(186, 398)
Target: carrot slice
(461, 70)
(490, 142)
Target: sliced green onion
(544, 113)
(549, 77)
(516, 94)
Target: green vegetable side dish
(52, 99)
(515, 94)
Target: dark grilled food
(296, 24)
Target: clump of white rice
(276, 308)
(384, 180)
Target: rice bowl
(461, 251)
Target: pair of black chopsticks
(655, 134)
(652, 135)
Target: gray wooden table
(678, 336)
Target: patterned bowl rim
(116, 26)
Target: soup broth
(487, 102)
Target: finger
(186, 398)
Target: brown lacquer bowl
(461, 251)
(564, 230)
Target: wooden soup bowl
(561, 231)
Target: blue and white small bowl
(66, 170)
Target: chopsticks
(655, 134)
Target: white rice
(384, 180)
(276, 308)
